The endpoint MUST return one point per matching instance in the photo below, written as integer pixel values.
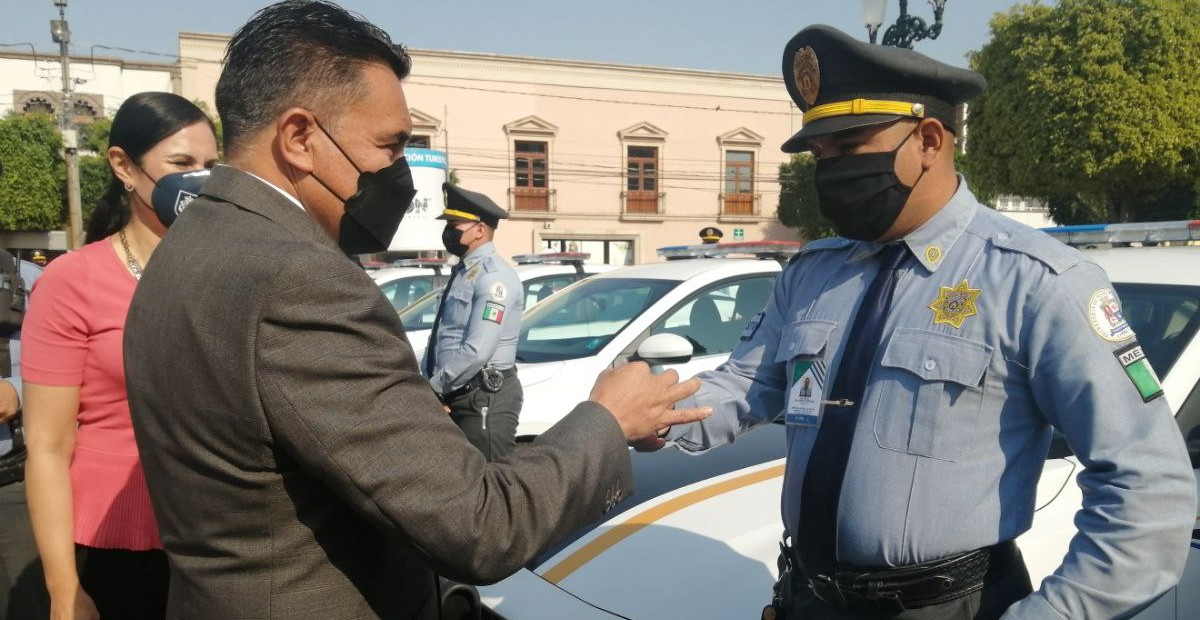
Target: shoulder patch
(493, 312)
(498, 291)
(1106, 317)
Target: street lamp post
(60, 32)
(908, 28)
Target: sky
(716, 35)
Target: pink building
(616, 160)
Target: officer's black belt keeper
(477, 382)
(893, 590)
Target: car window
(713, 319)
(582, 320)
(421, 313)
(537, 289)
(405, 291)
(1164, 317)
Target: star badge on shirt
(955, 304)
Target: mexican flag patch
(1137, 367)
(493, 312)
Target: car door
(712, 319)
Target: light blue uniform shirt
(481, 320)
(955, 421)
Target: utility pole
(60, 32)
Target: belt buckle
(827, 590)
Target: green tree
(798, 198)
(93, 137)
(31, 187)
(1092, 105)
(94, 178)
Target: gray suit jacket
(298, 463)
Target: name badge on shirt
(805, 395)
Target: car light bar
(757, 249)
(551, 257)
(1137, 232)
(419, 262)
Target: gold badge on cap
(807, 74)
(955, 304)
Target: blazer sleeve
(343, 396)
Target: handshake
(643, 403)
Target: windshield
(421, 313)
(580, 320)
(1164, 317)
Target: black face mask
(452, 240)
(374, 212)
(861, 194)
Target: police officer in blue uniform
(471, 357)
(921, 361)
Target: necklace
(134, 265)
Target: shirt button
(930, 364)
(1002, 236)
(791, 347)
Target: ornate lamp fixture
(908, 28)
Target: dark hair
(143, 121)
(298, 53)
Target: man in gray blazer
(298, 463)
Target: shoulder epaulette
(828, 243)
(1039, 246)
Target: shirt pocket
(931, 394)
(458, 306)
(803, 341)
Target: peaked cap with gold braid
(841, 83)
(467, 206)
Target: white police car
(610, 319)
(541, 276)
(405, 281)
(699, 539)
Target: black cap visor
(825, 126)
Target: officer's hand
(642, 402)
(10, 404)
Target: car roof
(526, 271)
(690, 268)
(1153, 265)
(387, 274)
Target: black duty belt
(893, 590)
(477, 382)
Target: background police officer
(711, 234)
(920, 360)
(471, 357)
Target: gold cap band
(461, 214)
(864, 106)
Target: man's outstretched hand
(643, 402)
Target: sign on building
(419, 230)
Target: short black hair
(144, 120)
(306, 53)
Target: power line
(716, 108)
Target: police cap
(467, 206)
(711, 234)
(840, 83)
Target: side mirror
(665, 349)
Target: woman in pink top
(91, 512)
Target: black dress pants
(489, 419)
(125, 584)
